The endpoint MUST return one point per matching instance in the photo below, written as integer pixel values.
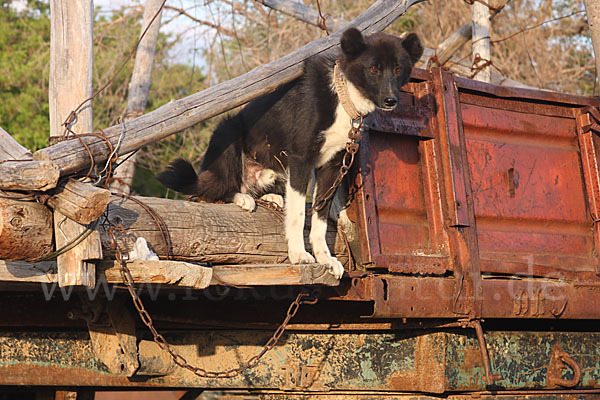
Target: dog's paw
(335, 267)
(244, 201)
(273, 198)
(300, 257)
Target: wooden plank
(481, 40)
(71, 66)
(167, 272)
(75, 267)
(81, 202)
(175, 116)
(71, 62)
(28, 175)
(25, 230)
(273, 274)
(22, 271)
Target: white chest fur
(336, 136)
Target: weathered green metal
(396, 361)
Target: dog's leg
(295, 209)
(244, 201)
(325, 177)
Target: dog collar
(342, 91)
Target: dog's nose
(390, 101)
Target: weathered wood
(71, 62)
(137, 96)
(175, 116)
(76, 267)
(167, 272)
(22, 271)
(180, 273)
(81, 202)
(10, 149)
(481, 40)
(28, 175)
(304, 13)
(592, 8)
(273, 274)
(71, 66)
(25, 230)
(202, 232)
(443, 53)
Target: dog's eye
(398, 70)
(373, 69)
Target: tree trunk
(592, 8)
(481, 41)
(139, 87)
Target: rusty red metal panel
(415, 297)
(398, 210)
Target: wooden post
(71, 62)
(592, 8)
(139, 87)
(481, 40)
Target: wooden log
(28, 175)
(25, 230)
(10, 149)
(203, 232)
(304, 13)
(81, 202)
(137, 95)
(592, 9)
(175, 116)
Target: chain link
(177, 358)
(351, 149)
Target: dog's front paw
(300, 257)
(273, 198)
(335, 267)
(244, 201)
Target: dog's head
(378, 65)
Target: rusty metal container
(480, 200)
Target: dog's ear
(413, 47)
(352, 43)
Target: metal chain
(301, 298)
(347, 161)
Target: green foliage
(24, 57)
(24, 77)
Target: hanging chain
(301, 298)
(351, 150)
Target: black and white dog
(272, 146)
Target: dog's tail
(180, 176)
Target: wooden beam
(28, 175)
(273, 274)
(25, 230)
(71, 67)
(137, 95)
(175, 116)
(165, 272)
(181, 273)
(81, 202)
